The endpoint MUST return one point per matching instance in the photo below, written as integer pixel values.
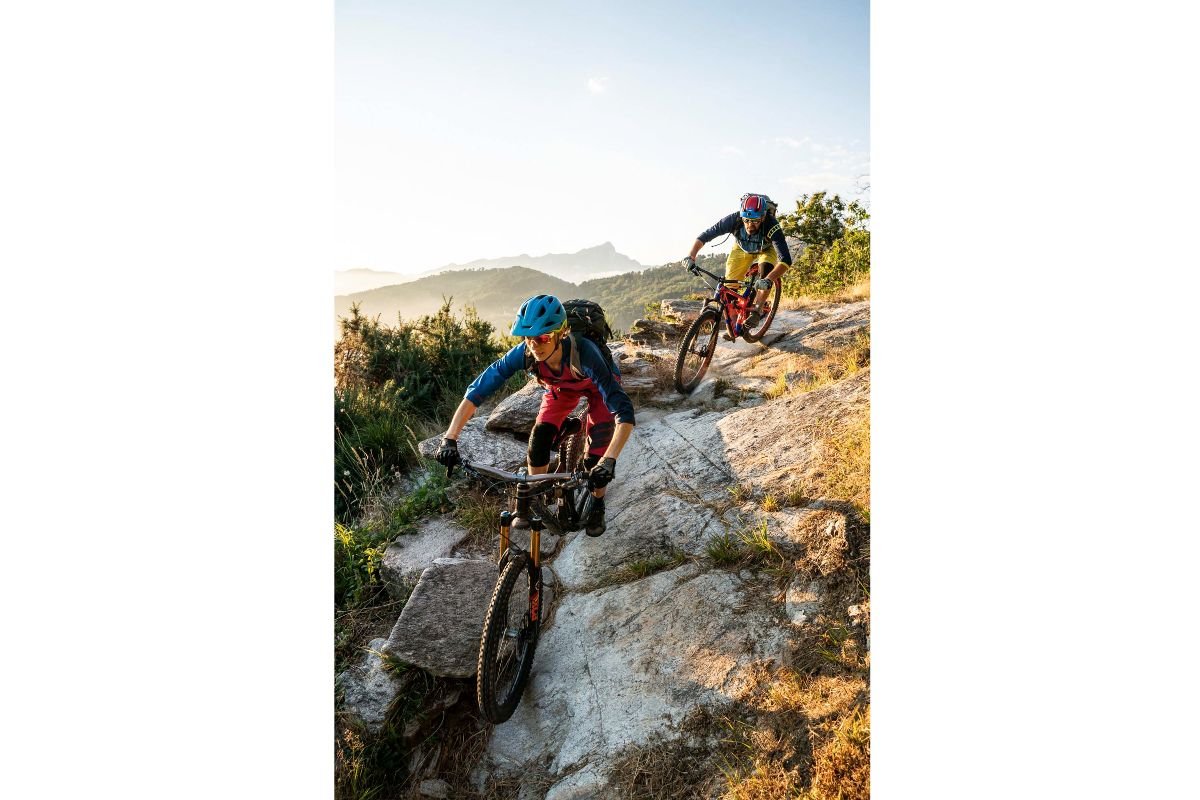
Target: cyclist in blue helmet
(542, 322)
(754, 228)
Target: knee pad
(600, 434)
(540, 439)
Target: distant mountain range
(497, 293)
(592, 262)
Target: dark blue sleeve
(775, 233)
(723, 226)
(596, 368)
(495, 375)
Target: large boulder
(441, 623)
(656, 331)
(407, 557)
(440, 626)
(517, 412)
(681, 310)
(476, 444)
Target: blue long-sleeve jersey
(751, 242)
(591, 363)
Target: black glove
(603, 473)
(447, 454)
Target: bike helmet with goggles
(754, 206)
(540, 314)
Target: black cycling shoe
(752, 320)
(595, 520)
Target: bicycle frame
(734, 305)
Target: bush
(837, 250)
(391, 381)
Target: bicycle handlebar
(696, 269)
(513, 477)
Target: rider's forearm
(620, 437)
(695, 249)
(780, 268)
(466, 409)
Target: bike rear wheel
(510, 634)
(768, 314)
(570, 450)
(696, 351)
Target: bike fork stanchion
(535, 539)
(535, 583)
(505, 526)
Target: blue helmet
(754, 206)
(540, 314)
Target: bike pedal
(726, 336)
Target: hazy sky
(471, 130)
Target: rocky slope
(625, 663)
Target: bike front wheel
(696, 351)
(768, 314)
(510, 634)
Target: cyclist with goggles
(754, 227)
(542, 321)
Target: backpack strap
(576, 369)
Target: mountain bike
(730, 305)
(514, 615)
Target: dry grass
(479, 514)
(811, 740)
(851, 294)
(789, 735)
(838, 363)
(841, 470)
(778, 389)
(842, 766)
(662, 369)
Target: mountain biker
(542, 321)
(752, 226)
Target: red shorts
(598, 425)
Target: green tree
(837, 244)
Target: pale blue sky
(470, 130)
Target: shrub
(837, 250)
(391, 381)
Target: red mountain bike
(700, 341)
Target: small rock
(802, 602)
(479, 779)
(435, 788)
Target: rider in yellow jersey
(754, 228)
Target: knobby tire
(501, 676)
(770, 307)
(685, 382)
